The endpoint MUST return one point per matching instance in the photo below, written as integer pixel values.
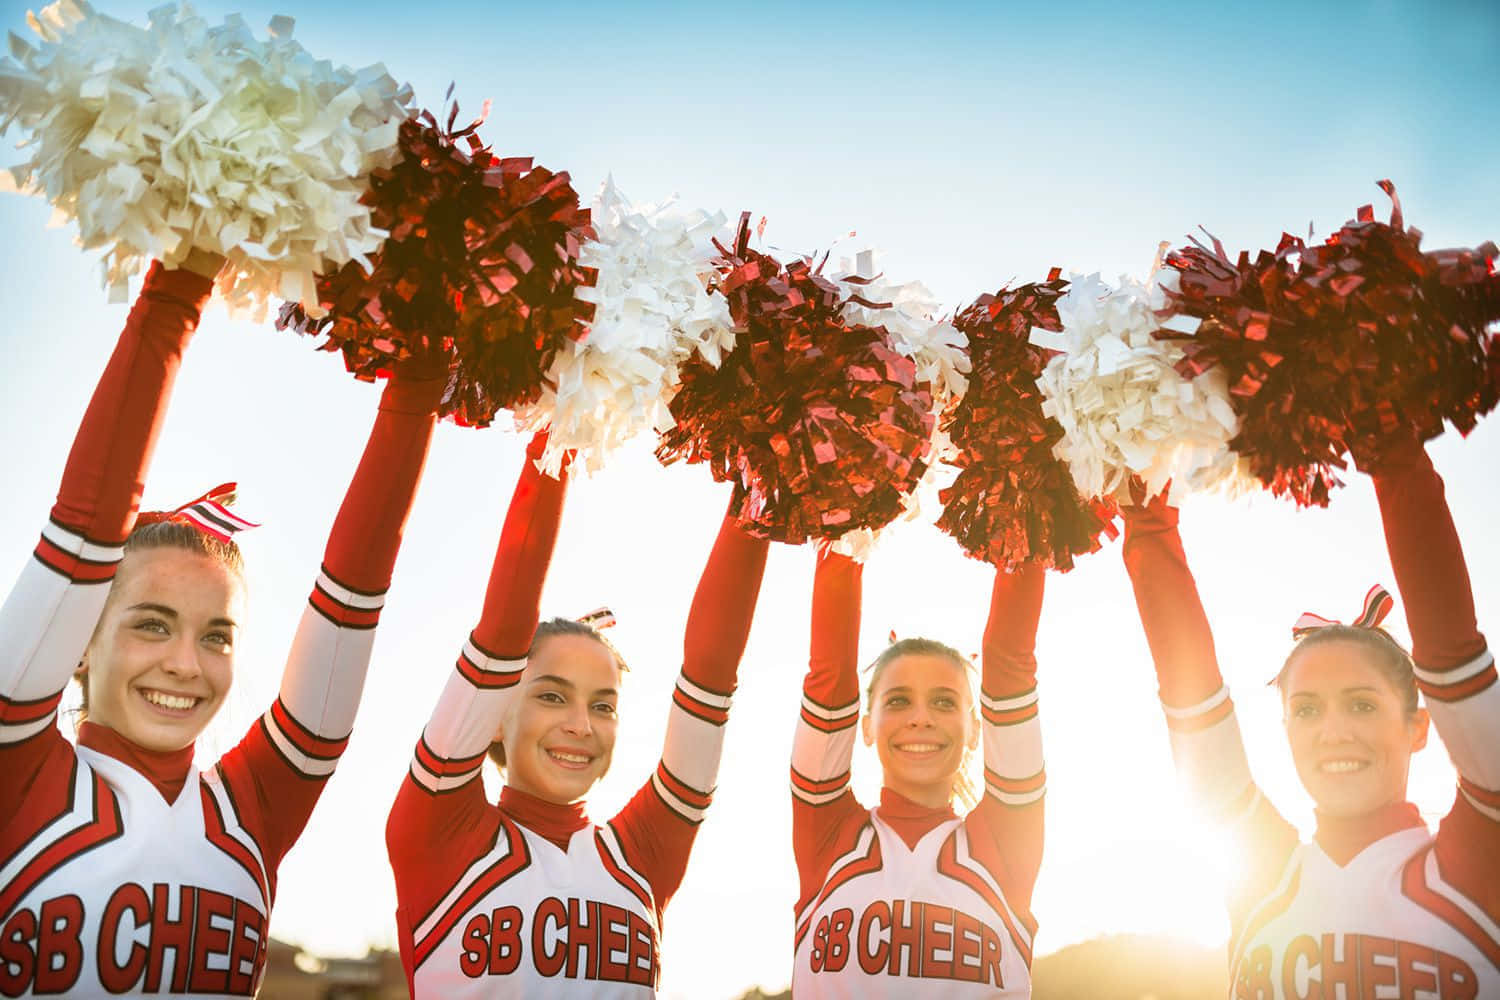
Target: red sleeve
(1205, 735)
(826, 817)
(1006, 827)
(1455, 669)
(50, 614)
(656, 828)
(278, 771)
(442, 799)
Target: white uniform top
(1384, 925)
(891, 915)
(529, 919)
(158, 897)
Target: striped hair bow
(598, 619)
(209, 513)
(1378, 604)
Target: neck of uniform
(167, 770)
(553, 821)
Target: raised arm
(50, 614)
(276, 773)
(440, 822)
(1006, 826)
(654, 833)
(1205, 735)
(1455, 669)
(823, 805)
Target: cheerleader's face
(559, 734)
(921, 719)
(1350, 734)
(161, 660)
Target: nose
(577, 722)
(180, 659)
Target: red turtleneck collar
(556, 822)
(1342, 838)
(911, 820)
(166, 770)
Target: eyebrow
(563, 682)
(167, 612)
(1347, 690)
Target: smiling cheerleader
(911, 899)
(123, 869)
(528, 896)
(1376, 905)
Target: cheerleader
(1376, 905)
(123, 870)
(529, 896)
(910, 899)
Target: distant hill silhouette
(1119, 967)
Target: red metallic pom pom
(481, 263)
(1338, 347)
(1013, 501)
(820, 425)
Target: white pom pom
(910, 315)
(1124, 409)
(652, 312)
(183, 136)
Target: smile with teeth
(919, 747)
(570, 760)
(170, 702)
(1342, 766)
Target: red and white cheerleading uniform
(905, 901)
(1377, 906)
(531, 898)
(126, 871)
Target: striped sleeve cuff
(74, 557)
(457, 738)
(21, 720)
(689, 768)
(1013, 771)
(822, 750)
(1465, 703)
(1210, 757)
(306, 751)
(344, 606)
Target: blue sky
(973, 144)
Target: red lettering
(906, 938)
(1297, 963)
(505, 940)
(991, 953)
(209, 940)
(642, 951)
(1456, 981)
(876, 916)
(113, 976)
(249, 945)
(59, 953)
(168, 933)
(937, 936)
(583, 936)
(1408, 955)
(818, 952)
(475, 957)
(1372, 972)
(839, 924)
(613, 923)
(550, 911)
(17, 960)
(967, 942)
(1254, 981)
(1339, 971)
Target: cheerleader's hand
(1154, 513)
(203, 262)
(1378, 456)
